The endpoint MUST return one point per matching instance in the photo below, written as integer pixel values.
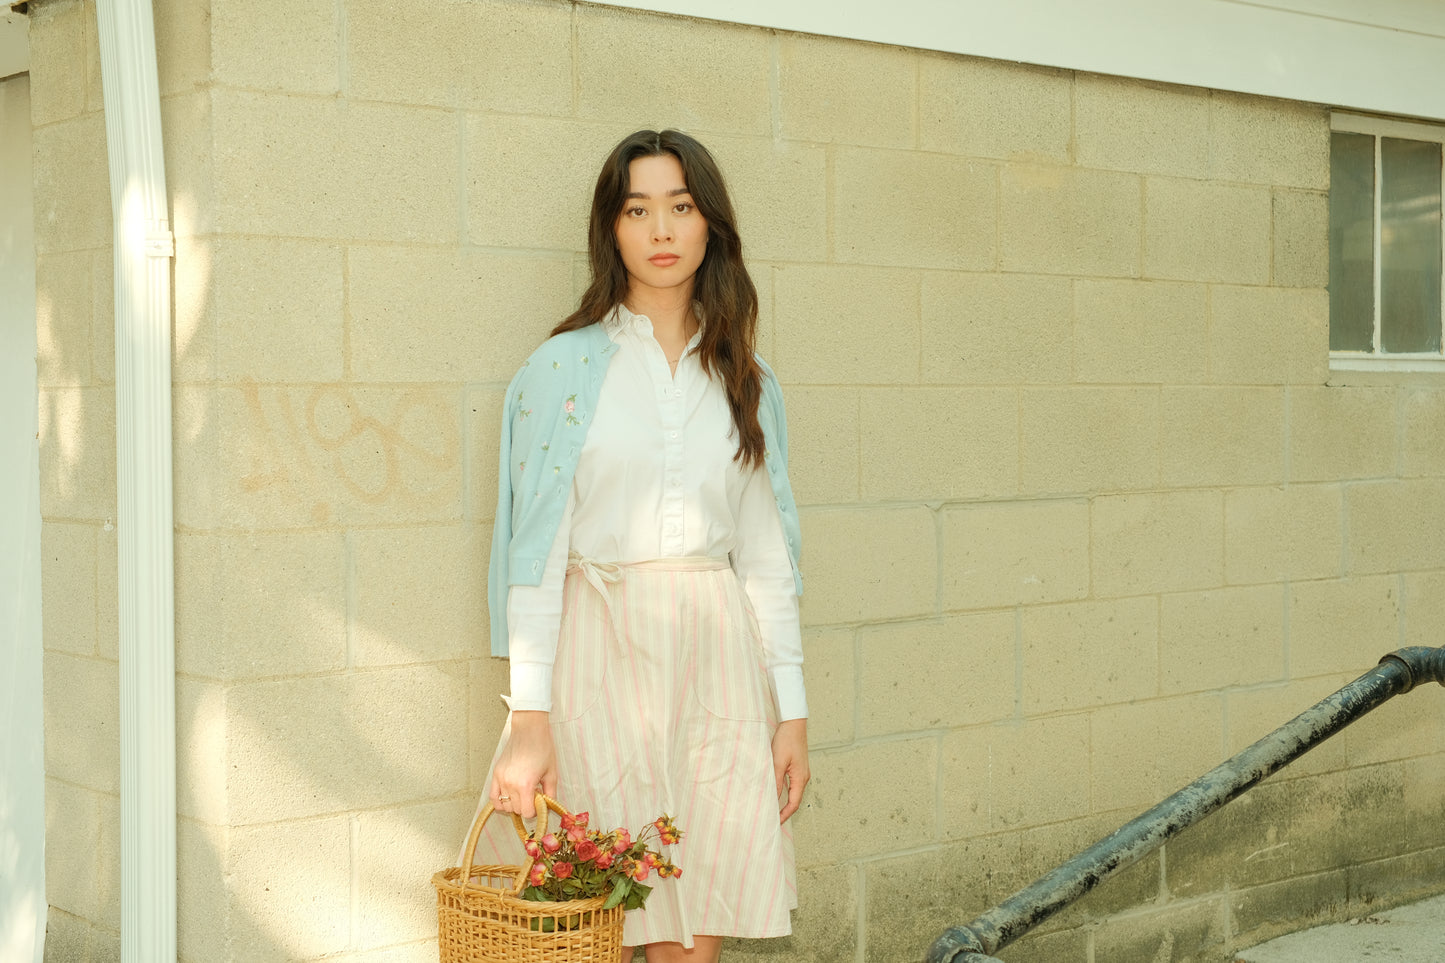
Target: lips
(664, 260)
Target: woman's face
(660, 233)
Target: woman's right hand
(528, 763)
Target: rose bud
(551, 843)
(533, 850)
(624, 839)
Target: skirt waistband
(601, 575)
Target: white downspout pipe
(144, 247)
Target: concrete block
(945, 208)
(779, 191)
(102, 317)
(1267, 141)
(508, 57)
(1341, 433)
(420, 952)
(482, 314)
(846, 92)
(974, 651)
(684, 85)
(67, 937)
(317, 455)
(830, 672)
(392, 849)
(1021, 773)
(1221, 436)
(1301, 239)
(1158, 542)
(1145, 751)
(1261, 913)
(107, 865)
(72, 839)
(77, 453)
(190, 163)
(68, 587)
(265, 293)
(869, 564)
(1255, 713)
(843, 307)
(202, 760)
(1045, 847)
(1342, 625)
(1424, 607)
(82, 721)
(998, 555)
(272, 44)
(844, 815)
(61, 36)
(1400, 729)
(304, 747)
(334, 176)
(1140, 331)
(1399, 879)
(1206, 231)
(1422, 415)
(261, 605)
(1061, 946)
(482, 436)
(202, 921)
(1375, 802)
(910, 899)
(1273, 534)
(420, 594)
(990, 108)
(1246, 843)
(902, 459)
(289, 887)
(823, 444)
(64, 301)
(1226, 637)
(1182, 931)
(1133, 125)
(1268, 336)
(1065, 220)
(183, 45)
(1088, 439)
(1086, 654)
(996, 328)
(1395, 525)
(486, 714)
(107, 593)
(529, 180)
(72, 185)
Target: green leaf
(618, 894)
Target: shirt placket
(673, 412)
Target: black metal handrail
(1397, 673)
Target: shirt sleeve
(762, 562)
(534, 620)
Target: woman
(644, 563)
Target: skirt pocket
(580, 672)
(732, 676)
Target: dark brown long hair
(722, 285)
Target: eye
(635, 212)
(683, 207)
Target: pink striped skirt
(661, 703)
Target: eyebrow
(675, 192)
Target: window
(1387, 252)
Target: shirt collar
(621, 319)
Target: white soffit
(1386, 56)
(14, 43)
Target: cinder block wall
(1082, 516)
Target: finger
(524, 803)
(780, 771)
(795, 794)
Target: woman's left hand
(790, 763)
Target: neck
(669, 310)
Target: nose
(662, 226)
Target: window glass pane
(1352, 242)
(1409, 245)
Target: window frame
(1381, 127)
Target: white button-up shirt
(657, 479)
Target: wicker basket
(482, 918)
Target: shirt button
(672, 434)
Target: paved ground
(1406, 934)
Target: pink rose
(551, 843)
(587, 850)
(538, 875)
(640, 873)
(561, 869)
(624, 839)
(604, 860)
(533, 850)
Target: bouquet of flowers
(582, 863)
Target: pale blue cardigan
(547, 413)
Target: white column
(145, 530)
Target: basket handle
(543, 803)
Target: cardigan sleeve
(534, 620)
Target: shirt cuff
(788, 688)
(531, 687)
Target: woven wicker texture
(481, 918)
